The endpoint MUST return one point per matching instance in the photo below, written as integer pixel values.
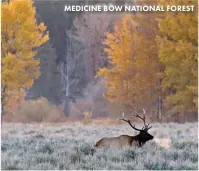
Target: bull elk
(126, 140)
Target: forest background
(60, 65)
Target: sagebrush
(71, 146)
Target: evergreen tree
(48, 85)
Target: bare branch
(75, 37)
(61, 70)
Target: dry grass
(106, 121)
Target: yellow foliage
(132, 51)
(14, 99)
(20, 35)
(178, 51)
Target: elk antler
(129, 122)
(145, 127)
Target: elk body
(126, 140)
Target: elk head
(143, 135)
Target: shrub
(39, 110)
(87, 117)
(87, 149)
(129, 154)
(45, 149)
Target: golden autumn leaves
(178, 51)
(21, 35)
(131, 50)
(154, 56)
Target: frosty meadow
(71, 146)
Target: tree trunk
(159, 101)
(19, 100)
(3, 95)
(159, 108)
(67, 106)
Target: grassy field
(71, 146)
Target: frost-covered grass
(71, 146)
